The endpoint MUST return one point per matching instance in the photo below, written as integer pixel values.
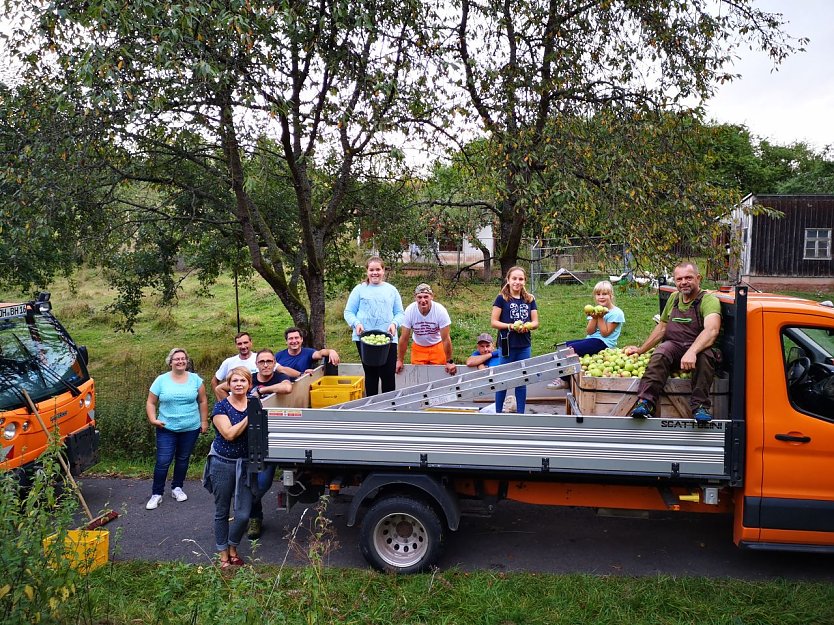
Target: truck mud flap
(82, 449)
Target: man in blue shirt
(486, 355)
(297, 360)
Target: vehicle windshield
(38, 356)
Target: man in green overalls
(688, 327)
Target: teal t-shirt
(614, 315)
(178, 408)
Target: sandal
(236, 560)
(225, 564)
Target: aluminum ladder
(468, 386)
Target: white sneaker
(557, 384)
(153, 502)
(177, 494)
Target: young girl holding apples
(514, 315)
(602, 331)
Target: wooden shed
(791, 250)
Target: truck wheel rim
(400, 540)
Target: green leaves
(251, 123)
(579, 100)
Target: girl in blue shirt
(601, 332)
(374, 304)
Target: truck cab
(788, 498)
(39, 358)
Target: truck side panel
(539, 444)
(789, 493)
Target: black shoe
(644, 408)
(254, 529)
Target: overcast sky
(795, 102)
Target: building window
(817, 244)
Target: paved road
(517, 537)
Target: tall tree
(199, 95)
(49, 182)
(535, 71)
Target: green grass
(139, 592)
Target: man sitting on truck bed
(297, 359)
(688, 327)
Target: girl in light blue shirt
(374, 304)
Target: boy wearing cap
(485, 355)
(429, 323)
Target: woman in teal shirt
(178, 408)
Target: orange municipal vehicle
(414, 460)
(38, 356)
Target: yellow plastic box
(336, 389)
(86, 550)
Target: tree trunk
(314, 281)
(511, 226)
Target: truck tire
(401, 534)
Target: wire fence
(555, 262)
(550, 261)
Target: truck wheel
(402, 535)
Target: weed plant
(37, 583)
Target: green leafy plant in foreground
(36, 580)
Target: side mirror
(83, 355)
(794, 353)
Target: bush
(30, 591)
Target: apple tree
(540, 76)
(255, 124)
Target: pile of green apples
(595, 311)
(376, 339)
(613, 363)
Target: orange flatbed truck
(38, 355)
(767, 462)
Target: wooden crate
(617, 396)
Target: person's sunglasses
(265, 362)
